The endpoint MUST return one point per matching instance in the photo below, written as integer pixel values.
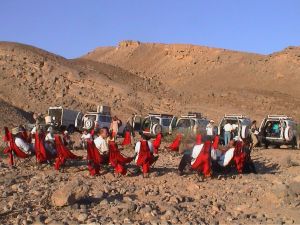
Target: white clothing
(86, 136)
(22, 145)
(50, 137)
(101, 144)
(195, 152)
(215, 154)
(226, 158)
(209, 129)
(228, 127)
(138, 147)
(234, 126)
(33, 131)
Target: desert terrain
(31, 194)
(135, 77)
(150, 77)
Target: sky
(72, 28)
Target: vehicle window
(185, 123)
(90, 117)
(166, 121)
(155, 120)
(108, 119)
(104, 119)
(203, 123)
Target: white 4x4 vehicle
(278, 130)
(156, 123)
(192, 123)
(241, 123)
(102, 117)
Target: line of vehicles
(192, 123)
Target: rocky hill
(214, 80)
(143, 77)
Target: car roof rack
(160, 114)
(235, 115)
(274, 116)
(193, 115)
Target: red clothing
(145, 158)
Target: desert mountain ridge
(143, 77)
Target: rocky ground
(34, 194)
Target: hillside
(215, 80)
(33, 80)
(143, 77)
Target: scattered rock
(70, 193)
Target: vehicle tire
(156, 129)
(294, 143)
(288, 134)
(89, 124)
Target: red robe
(40, 152)
(239, 156)
(202, 162)
(127, 138)
(94, 158)
(12, 148)
(145, 158)
(63, 153)
(156, 143)
(216, 142)
(176, 143)
(116, 159)
(198, 139)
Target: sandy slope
(215, 80)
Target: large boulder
(70, 193)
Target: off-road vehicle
(156, 123)
(241, 123)
(278, 130)
(62, 118)
(192, 123)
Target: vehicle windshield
(184, 123)
(155, 120)
(166, 122)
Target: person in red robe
(176, 143)
(156, 143)
(144, 157)
(117, 160)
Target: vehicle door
(183, 125)
(172, 125)
(244, 128)
(79, 121)
(221, 127)
(104, 121)
(262, 127)
(202, 123)
(137, 123)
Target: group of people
(197, 153)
